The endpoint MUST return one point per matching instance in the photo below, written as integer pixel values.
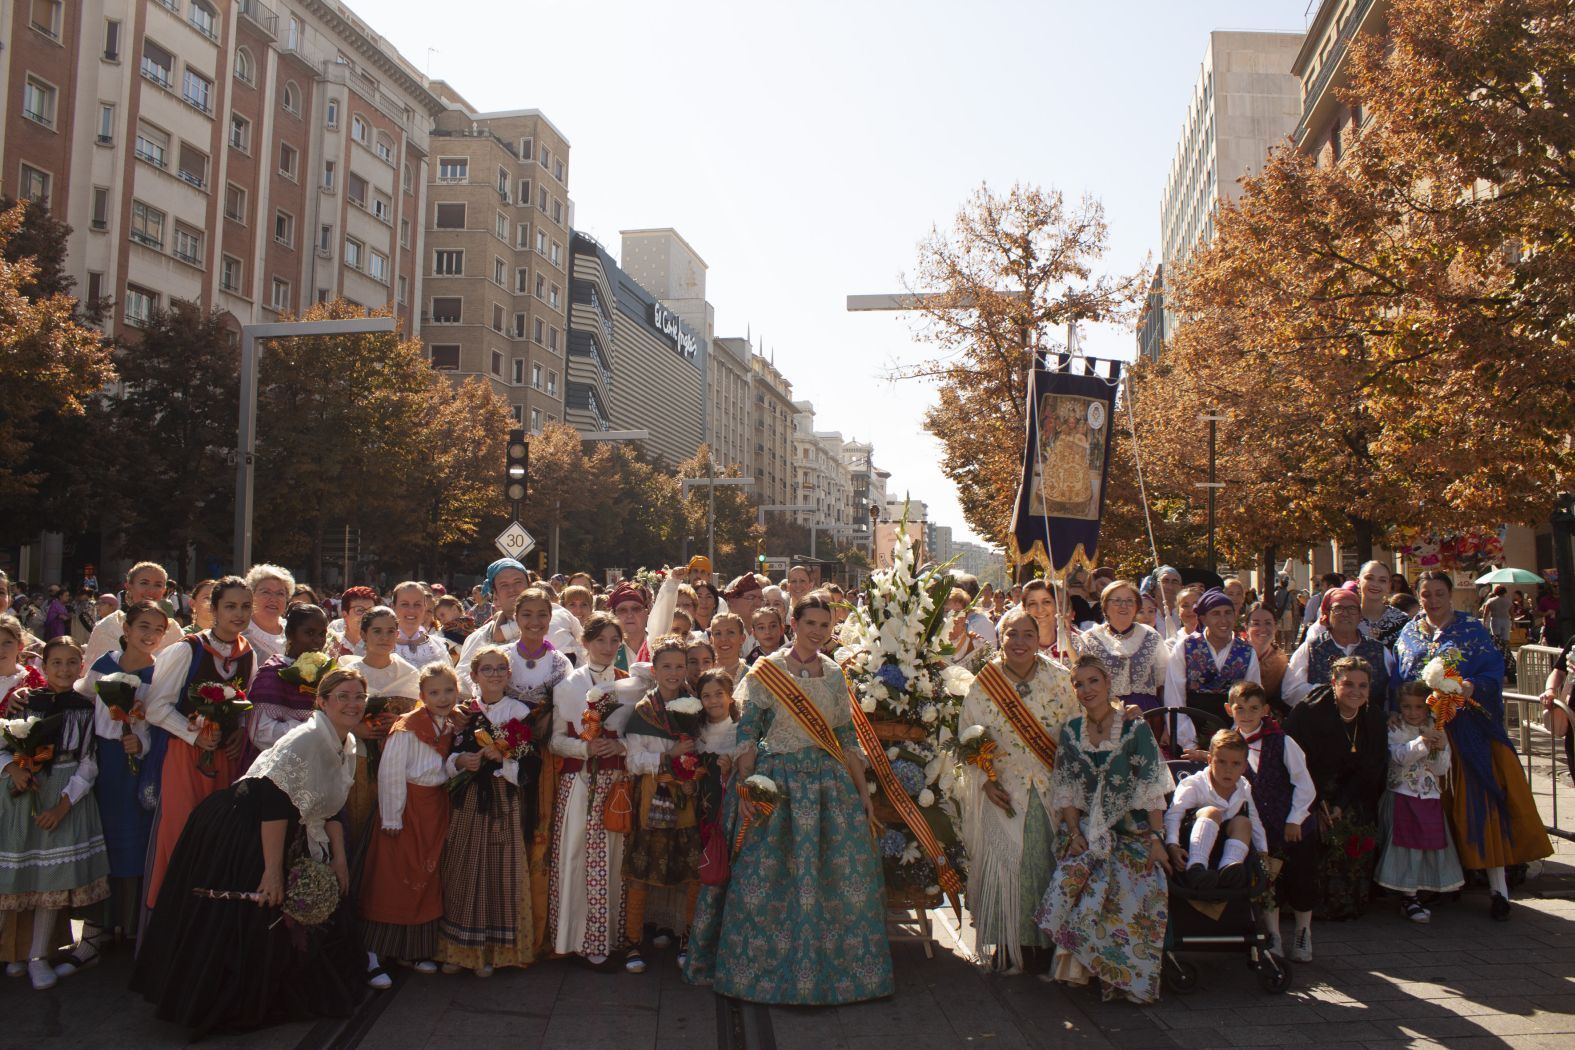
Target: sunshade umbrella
(1510, 576)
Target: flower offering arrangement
(219, 709)
(119, 693)
(307, 670)
(1442, 675)
(758, 798)
(31, 741)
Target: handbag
(713, 856)
(618, 810)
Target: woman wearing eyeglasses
(1132, 653)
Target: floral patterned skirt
(802, 920)
(1107, 916)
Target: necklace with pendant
(532, 657)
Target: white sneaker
(1301, 947)
(381, 982)
(425, 966)
(41, 974)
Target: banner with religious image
(1066, 462)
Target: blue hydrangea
(910, 775)
(892, 843)
(891, 676)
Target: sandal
(83, 954)
(1415, 912)
(379, 979)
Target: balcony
(262, 16)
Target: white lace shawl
(315, 768)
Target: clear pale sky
(805, 148)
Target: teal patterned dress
(802, 919)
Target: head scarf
(743, 585)
(1212, 599)
(497, 567)
(625, 591)
(1329, 596)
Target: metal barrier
(1541, 753)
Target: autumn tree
(50, 367)
(993, 291)
(736, 527)
(1390, 335)
(459, 480)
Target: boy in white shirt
(1217, 798)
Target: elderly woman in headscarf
(1338, 634)
(1209, 661)
(1165, 583)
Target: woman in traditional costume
(344, 634)
(279, 706)
(271, 587)
(1107, 905)
(217, 954)
(1492, 815)
(1021, 699)
(1133, 655)
(802, 919)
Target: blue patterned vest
(1325, 651)
(1272, 790)
(1207, 684)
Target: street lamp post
(711, 481)
(1213, 419)
(246, 445)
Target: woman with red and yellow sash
(1021, 699)
(802, 919)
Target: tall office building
(771, 413)
(247, 157)
(1325, 125)
(497, 254)
(587, 401)
(727, 402)
(1244, 103)
(656, 361)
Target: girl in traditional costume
(277, 705)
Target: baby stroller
(1238, 927)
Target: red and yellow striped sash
(1028, 728)
(781, 685)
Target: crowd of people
(552, 767)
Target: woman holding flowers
(191, 755)
(1021, 699)
(486, 876)
(217, 953)
(802, 920)
(1106, 907)
(120, 680)
(1491, 812)
(278, 704)
(591, 707)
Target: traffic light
(541, 562)
(516, 467)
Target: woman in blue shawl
(1491, 811)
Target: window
(35, 184)
(158, 65)
(552, 339)
(284, 228)
(535, 420)
(557, 170)
(355, 189)
(46, 17)
(541, 198)
(540, 328)
(359, 129)
(240, 133)
(557, 254)
(541, 242)
(527, 151)
(377, 266)
(147, 225)
(198, 91)
(453, 169)
(445, 358)
(38, 102)
(111, 40)
(193, 166)
(409, 182)
(546, 155)
(448, 263)
(521, 280)
(497, 318)
(188, 245)
(518, 412)
(518, 331)
(332, 113)
(288, 160)
(524, 197)
(498, 271)
(522, 236)
(557, 212)
(245, 67)
(404, 233)
(552, 382)
(203, 18)
(385, 148)
(541, 286)
(450, 216)
(106, 123)
(554, 297)
(279, 297)
(235, 203)
(230, 274)
(140, 304)
(519, 371)
(445, 310)
(500, 227)
(100, 219)
(353, 253)
(535, 376)
(399, 295)
(330, 170)
(292, 39)
(497, 363)
(383, 208)
(325, 240)
(292, 99)
(152, 145)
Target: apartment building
(1325, 125)
(587, 401)
(727, 402)
(248, 157)
(822, 481)
(771, 414)
(656, 366)
(497, 258)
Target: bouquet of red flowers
(514, 738)
(684, 715)
(219, 709)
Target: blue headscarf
(1151, 584)
(497, 567)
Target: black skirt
(229, 964)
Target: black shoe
(1500, 908)
(1200, 877)
(1232, 877)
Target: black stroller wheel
(1178, 976)
(1274, 973)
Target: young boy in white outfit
(1216, 799)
